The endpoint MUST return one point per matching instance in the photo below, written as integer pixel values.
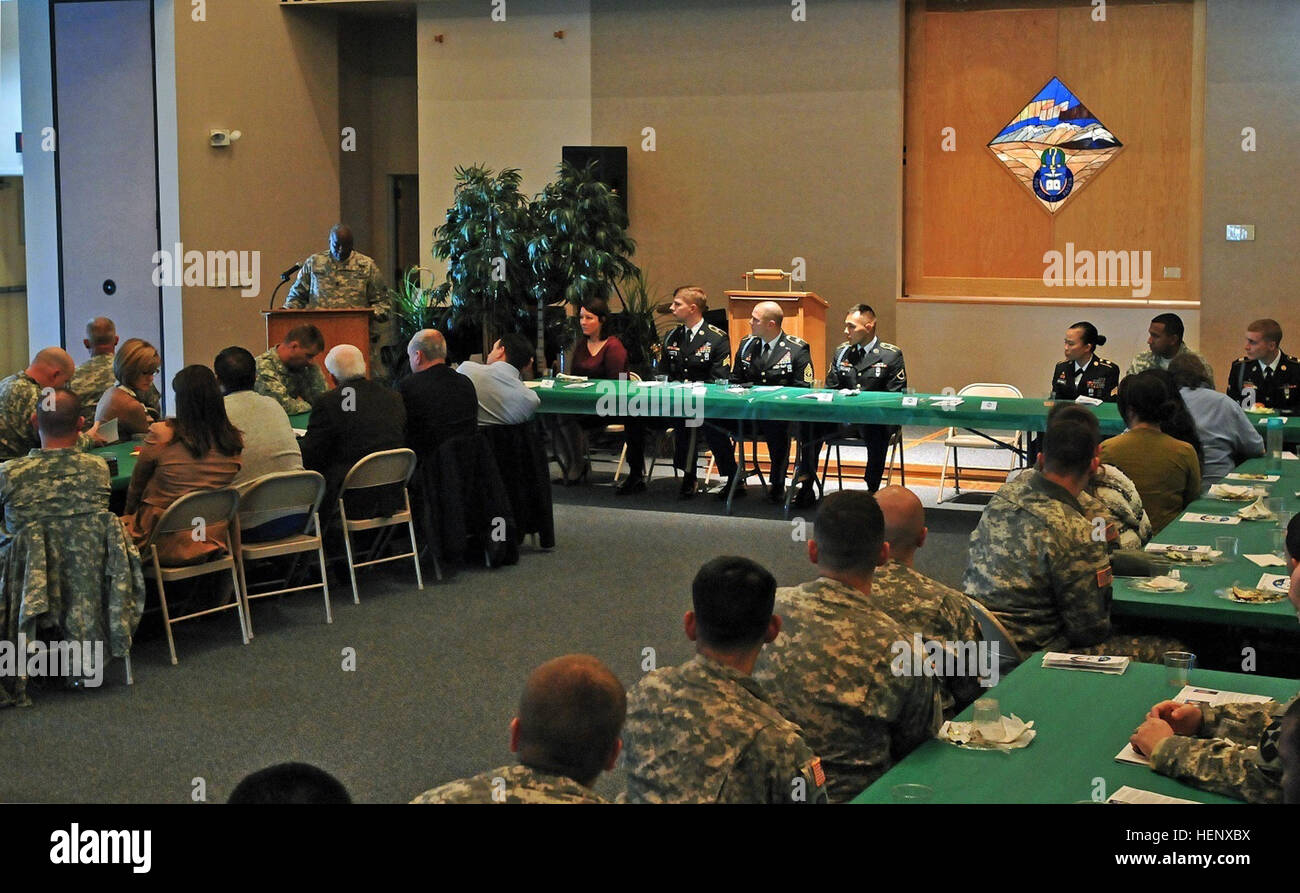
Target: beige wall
(272, 74)
(1253, 75)
(503, 94)
(775, 140)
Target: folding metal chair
(213, 507)
(283, 494)
(376, 470)
(954, 441)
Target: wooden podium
(350, 325)
(805, 317)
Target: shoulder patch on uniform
(818, 774)
(1105, 577)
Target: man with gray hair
(357, 418)
(95, 376)
(440, 404)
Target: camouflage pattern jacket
(704, 733)
(831, 670)
(91, 380)
(65, 560)
(512, 784)
(1148, 360)
(1035, 563)
(1234, 753)
(937, 613)
(19, 397)
(326, 283)
(294, 389)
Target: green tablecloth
(648, 399)
(126, 461)
(1200, 603)
(1082, 720)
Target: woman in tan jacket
(197, 450)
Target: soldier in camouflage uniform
(344, 278)
(65, 561)
(705, 732)
(919, 604)
(1231, 749)
(566, 733)
(1164, 342)
(20, 394)
(841, 668)
(287, 374)
(95, 376)
(1040, 563)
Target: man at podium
(341, 278)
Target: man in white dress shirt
(503, 398)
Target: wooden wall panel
(971, 229)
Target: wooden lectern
(805, 317)
(350, 325)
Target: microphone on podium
(284, 277)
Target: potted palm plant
(579, 247)
(485, 241)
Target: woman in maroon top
(595, 356)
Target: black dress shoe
(631, 485)
(688, 487)
(776, 494)
(806, 497)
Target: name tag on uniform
(909, 401)
(988, 405)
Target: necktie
(762, 356)
(1268, 375)
(1078, 376)
(855, 353)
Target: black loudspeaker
(611, 165)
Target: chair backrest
(213, 506)
(993, 631)
(989, 389)
(280, 494)
(378, 469)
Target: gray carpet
(438, 672)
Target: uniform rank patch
(1105, 577)
(817, 774)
